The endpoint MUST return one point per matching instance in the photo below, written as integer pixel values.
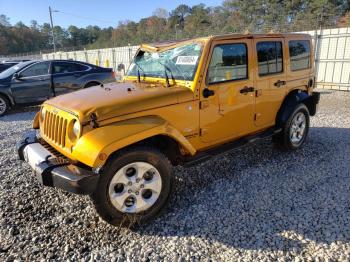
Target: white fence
(108, 57)
(332, 57)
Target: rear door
(66, 76)
(270, 79)
(33, 84)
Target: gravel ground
(255, 203)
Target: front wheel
(134, 187)
(4, 105)
(295, 130)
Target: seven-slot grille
(55, 128)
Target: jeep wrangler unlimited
(180, 103)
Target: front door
(33, 84)
(229, 111)
(270, 79)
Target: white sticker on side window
(186, 60)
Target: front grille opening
(60, 158)
(55, 128)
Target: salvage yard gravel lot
(254, 203)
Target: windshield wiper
(166, 79)
(166, 74)
(138, 72)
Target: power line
(86, 17)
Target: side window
(299, 52)
(36, 70)
(270, 57)
(228, 62)
(80, 67)
(61, 67)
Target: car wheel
(295, 130)
(91, 84)
(134, 187)
(4, 105)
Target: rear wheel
(295, 130)
(91, 84)
(134, 187)
(4, 105)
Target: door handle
(42, 79)
(246, 90)
(280, 83)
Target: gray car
(33, 82)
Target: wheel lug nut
(129, 183)
(129, 191)
(137, 180)
(142, 186)
(137, 192)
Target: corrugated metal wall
(332, 57)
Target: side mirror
(16, 76)
(207, 92)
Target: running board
(222, 149)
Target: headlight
(76, 128)
(43, 113)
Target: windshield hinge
(203, 104)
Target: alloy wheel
(3, 106)
(297, 129)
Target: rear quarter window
(299, 53)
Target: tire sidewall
(6, 103)
(101, 195)
(303, 109)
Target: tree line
(232, 16)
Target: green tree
(4, 20)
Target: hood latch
(93, 120)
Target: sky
(82, 13)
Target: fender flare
(292, 100)
(96, 146)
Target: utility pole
(176, 31)
(53, 34)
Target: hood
(5, 80)
(118, 99)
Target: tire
(4, 105)
(294, 131)
(129, 205)
(91, 84)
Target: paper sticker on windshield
(186, 60)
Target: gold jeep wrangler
(180, 103)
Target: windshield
(178, 63)
(13, 69)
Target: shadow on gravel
(257, 198)
(20, 114)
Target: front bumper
(53, 170)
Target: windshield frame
(179, 78)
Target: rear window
(299, 52)
(270, 57)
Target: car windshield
(179, 63)
(13, 69)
